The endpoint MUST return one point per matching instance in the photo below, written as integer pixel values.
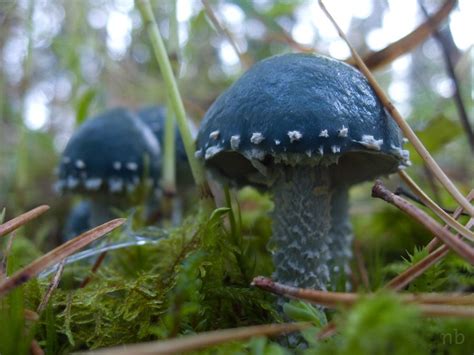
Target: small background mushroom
(111, 159)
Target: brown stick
(457, 213)
(378, 59)
(361, 265)
(327, 331)
(460, 247)
(333, 299)
(21, 220)
(52, 286)
(445, 217)
(198, 341)
(94, 269)
(35, 349)
(407, 276)
(406, 129)
(56, 255)
(463, 116)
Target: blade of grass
(21, 220)
(198, 341)
(56, 255)
(460, 247)
(406, 129)
(446, 218)
(159, 49)
(168, 181)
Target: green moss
(196, 278)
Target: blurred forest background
(64, 61)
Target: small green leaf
(83, 105)
(438, 132)
(304, 312)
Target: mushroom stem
(301, 241)
(340, 238)
(101, 211)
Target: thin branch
(407, 276)
(35, 349)
(223, 31)
(6, 254)
(463, 117)
(402, 191)
(21, 220)
(456, 244)
(328, 331)
(364, 275)
(385, 56)
(94, 269)
(431, 304)
(52, 286)
(427, 201)
(331, 299)
(406, 129)
(56, 255)
(457, 213)
(198, 341)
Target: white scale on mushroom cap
(370, 142)
(257, 138)
(295, 136)
(235, 142)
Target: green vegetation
(196, 277)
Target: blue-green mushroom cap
(155, 117)
(114, 152)
(300, 109)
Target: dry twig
(407, 276)
(432, 304)
(94, 269)
(406, 129)
(456, 244)
(385, 56)
(427, 201)
(21, 220)
(56, 255)
(52, 286)
(203, 340)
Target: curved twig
(375, 60)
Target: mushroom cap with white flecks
(304, 109)
(112, 153)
